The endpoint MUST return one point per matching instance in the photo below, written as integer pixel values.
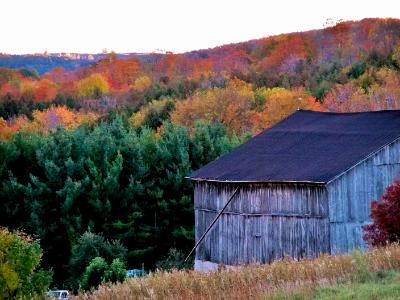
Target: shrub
(98, 272)
(89, 247)
(94, 273)
(385, 214)
(116, 272)
(174, 260)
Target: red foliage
(386, 216)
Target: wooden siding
(263, 222)
(351, 194)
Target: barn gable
(350, 195)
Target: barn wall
(351, 194)
(262, 223)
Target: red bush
(385, 214)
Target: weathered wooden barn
(303, 187)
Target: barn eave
(256, 181)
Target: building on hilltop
(300, 188)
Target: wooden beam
(212, 224)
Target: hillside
(285, 54)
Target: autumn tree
(59, 116)
(123, 72)
(346, 98)
(277, 103)
(385, 215)
(13, 125)
(20, 257)
(141, 84)
(230, 106)
(93, 86)
(380, 93)
(45, 90)
(385, 94)
(153, 114)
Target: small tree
(19, 260)
(385, 214)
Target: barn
(300, 188)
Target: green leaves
(19, 258)
(98, 271)
(125, 183)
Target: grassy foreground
(383, 285)
(372, 275)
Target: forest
(95, 157)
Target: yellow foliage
(230, 106)
(93, 86)
(137, 119)
(141, 84)
(11, 279)
(280, 103)
(152, 114)
(240, 108)
(396, 55)
(19, 257)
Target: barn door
(253, 239)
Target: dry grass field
(322, 278)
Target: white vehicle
(58, 294)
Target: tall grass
(254, 281)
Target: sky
(89, 26)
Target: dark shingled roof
(307, 146)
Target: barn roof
(307, 146)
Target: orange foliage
(12, 88)
(123, 73)
(55, 116)
(289, 48)
(44, 121)
(202, 68)
(280, 103)
(236, 61)
(230, 106)
(9, 127)
(119, 73)
(167, 65)
(45, 90)
(57, 75)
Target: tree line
(123, 183)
